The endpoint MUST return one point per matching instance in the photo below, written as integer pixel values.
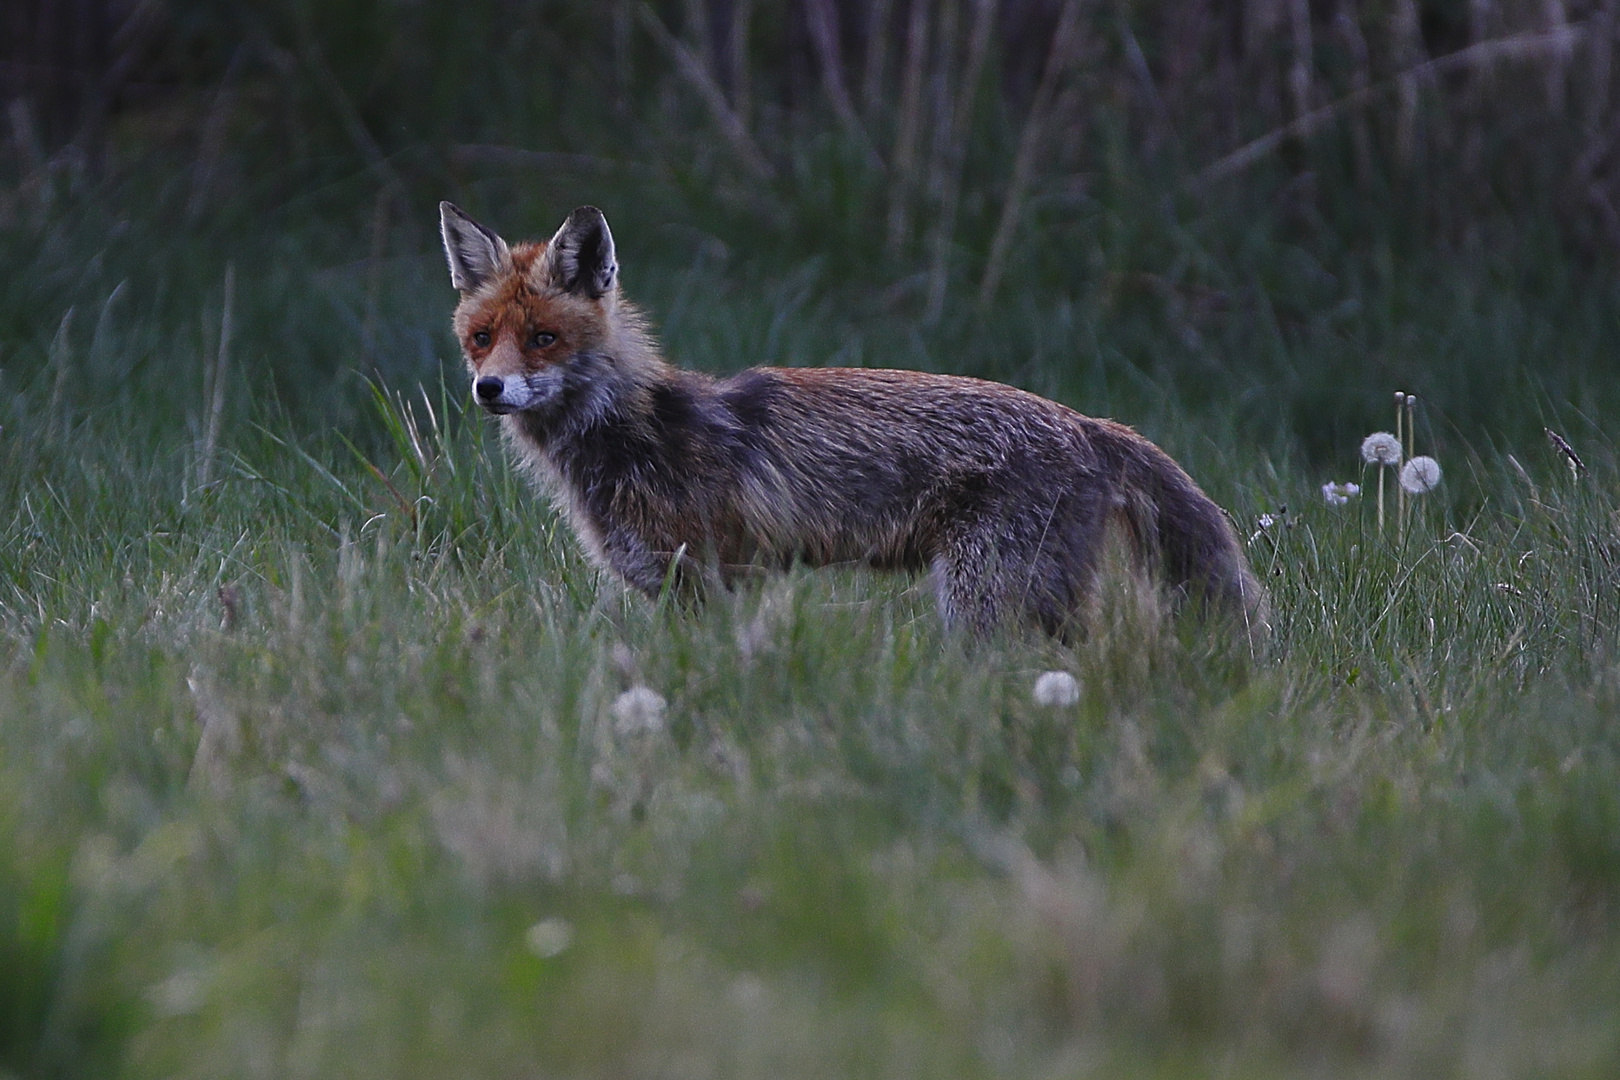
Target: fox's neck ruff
(605, 392)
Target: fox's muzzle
(502, 394)
(489, 390)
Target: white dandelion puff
(1420, 475)
(1381, 448)
(1056, 689)
(638, 709)
(1338, 494)
(549, 937)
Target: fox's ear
(475, 253)
(580, 258)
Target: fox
(675, 478)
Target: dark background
(1267, 214)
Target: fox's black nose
(488, 388)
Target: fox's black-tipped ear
(475, 253)
(580, 257)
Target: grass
(318, 771)
(321, 767)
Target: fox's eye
(481, 339)
(542, 339)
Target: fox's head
(535, 319)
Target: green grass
(316, 769)
(307, 825)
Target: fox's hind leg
(977, 568)
(1011, 559)
(967, 595)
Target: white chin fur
(530, 392)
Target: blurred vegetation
(1274, 211)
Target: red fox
(1008, 499)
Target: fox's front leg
(648, 570)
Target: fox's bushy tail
(1195, 550)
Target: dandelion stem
(1411, 426)
(1400, 492)
(1380, 500)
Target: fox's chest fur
(1007, 498)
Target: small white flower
(549, 937)
(1421, 474)
(1339, 494)
(638, 709)
(1266, 521)
(1381, 448)
(1056, 689)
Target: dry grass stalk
(1348, 23)
(693, 70)
(1600, 64)
(699, 27)
(1137, 60)
(1407, 44)
(61, 359)
(35, 182)
(1301, 68)
(1479, 29)
(822, 18)
(1571, 458)
(214, 380)
(1516, 47)
(953, 158)
(1557, 19)
(1065, 38)
(1260, 18)
(877, 54)
(939, 95)
(908, 125)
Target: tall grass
(313, 753)
(322, 772)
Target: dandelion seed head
(1056, 689)
(1381, 448)
(1419, 475)
(549, 937)
(638, 709)
(1338, 494)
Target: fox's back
(867, 463)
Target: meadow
(324, 752)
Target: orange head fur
(532, 313)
